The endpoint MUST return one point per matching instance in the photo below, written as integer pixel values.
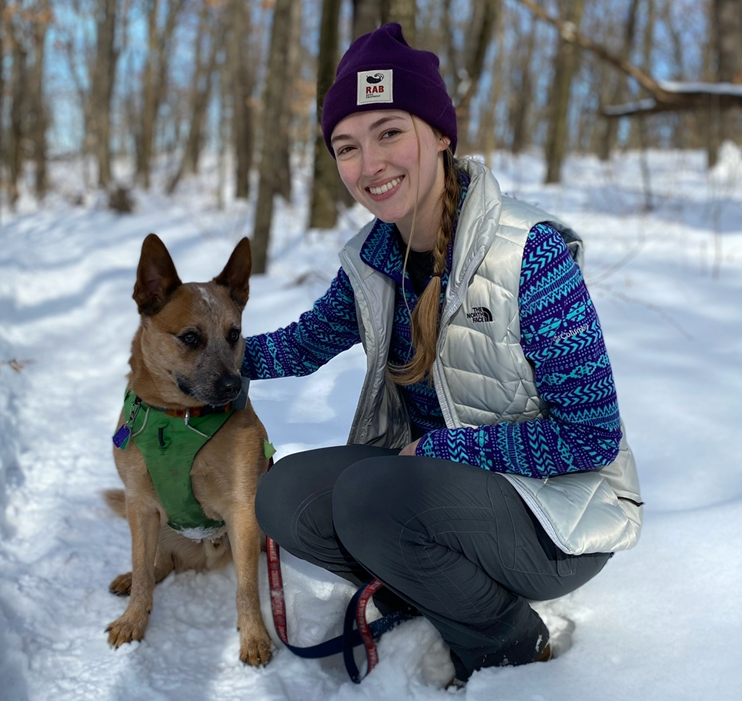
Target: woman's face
(378, 160)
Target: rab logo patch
(375, 86)
(480, 314)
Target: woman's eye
(190, 339)
(233, 336)
(343, 150)
(390, 133)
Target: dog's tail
(116, 500)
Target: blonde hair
(425, 318)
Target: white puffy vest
(481, 375)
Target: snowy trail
(661, 622)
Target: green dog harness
(169, 445)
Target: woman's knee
(275, 499)
(363, 503)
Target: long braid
(426, 316)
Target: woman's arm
(562, 337)
(304, 346)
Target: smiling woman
(486, 463)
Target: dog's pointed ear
(236, 274)
(157, 278)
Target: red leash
(366, 633)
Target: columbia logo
(480, 314)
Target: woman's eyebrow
(372, 126)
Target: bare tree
(565, 63)
(207, 43)
(2, 96)
(521, 94)
(283, 156)
(326, 182)
(159, 42)
(27, 31)
(18, 99)
(403, 12)
(610, 126)
(484, 19)
(103, 76)
(726, 26)
(242, 82)
(366, 16)
(273, 104)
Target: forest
(158, 83)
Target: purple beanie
(381, 71)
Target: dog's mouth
(226, 390)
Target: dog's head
(189, 346)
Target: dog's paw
(126, 629)
(255, 650)
(121, 586)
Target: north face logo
(479, 314)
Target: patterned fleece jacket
(582, 431)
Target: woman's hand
(409, 449)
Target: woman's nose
(373, 162)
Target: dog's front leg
(144, 522)
(244, 536)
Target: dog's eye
(233, 336)
(190, 339)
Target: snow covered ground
(663, 621)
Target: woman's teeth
(385, 188)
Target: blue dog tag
(121, 437)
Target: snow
(661, 621)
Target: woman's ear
(443, 143)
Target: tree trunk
(326, 183)
(558, 132)
(155, 80)
(242, 128)
(104, 74)
(18, 108)
(2, 105)
(366, 17)
(484, 20)
(403, 12)
(149, 107)
(610, 126)
(208, 33)
(522, 93)
(728, 20)
(39, 114)
(283, 174)
(275, 88)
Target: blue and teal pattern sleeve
(300, 348)
(561, 336)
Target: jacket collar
(383, 247)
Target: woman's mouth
(385, 188)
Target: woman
(486, 464)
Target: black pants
(452, 540)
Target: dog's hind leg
(121, 586)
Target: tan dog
(186, 354)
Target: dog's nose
(229, 385)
